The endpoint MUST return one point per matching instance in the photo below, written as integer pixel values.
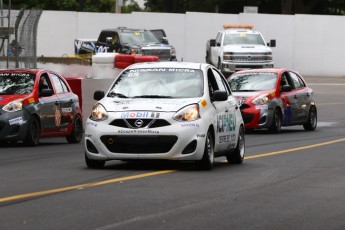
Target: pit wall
(310, 44)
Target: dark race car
(37, 103)
(272, 98)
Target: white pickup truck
(239, 47)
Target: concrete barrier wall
(310, 44)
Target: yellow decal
(31, 100)
(243, 35)
(204, 103)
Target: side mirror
(98, 95)
(46, 92)
(165, 40)
(220, 95)
(272, 43)
(286, 88)
(213, 42)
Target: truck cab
(239, 47)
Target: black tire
(206, 163)
(77, 131)
(94, 164)
(237, 156)
(276, 123)
(312, 120)
(33, 133)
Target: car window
(219, 38)
(159, 83)
(253, 81)
(12, 83)
(297, 81)
(45, 82)
(222, 85)
(60, 86)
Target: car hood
(247, 48)
(5, 99)
(147, 104)
(243, 96)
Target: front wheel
(206, 163)
(94, 164)
(77, 131)
(276, 123)
(237, 156)
(33, 133)
(311, 123)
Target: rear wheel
(206, 163)
(237, 156)
(77, 131)
(33, 133)
(312, 120)
(94, 164)
(276, 123)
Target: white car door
(225, 116)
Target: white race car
(165, 110)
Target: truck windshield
(138, 37)
(243, 39)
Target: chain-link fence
(18, 38)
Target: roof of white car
(170, 64)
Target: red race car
(272, 98)
(37, 103)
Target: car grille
(139, 123)
(249, 57)
(138, 144)
(164, 55)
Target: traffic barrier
(145, 59)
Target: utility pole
(118, 6)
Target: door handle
(226, 110)
(295, 96)
(71, 101)
(308, 94)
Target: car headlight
(98, 113)
(14, 106)
(263, 99)
(189, 113)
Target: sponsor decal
(203, 103)
(15, 74)
(190, 125)
(162, 70)
(102, 49)
(88, 135)
(66, 110)
(226, 123)
(1, 98)
(90, 123)
(146, 101)
(200, 135)
(14, 121)
(57, 117)
(140, 115)
(261, 107)
(138, 131)
(227, 138)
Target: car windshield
(138, 37)
(16, 83)
(253, 81)
(158, 83)
(245, 39)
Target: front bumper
(13, 125)
(257, 117)
(231, 67)
(177, 141)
